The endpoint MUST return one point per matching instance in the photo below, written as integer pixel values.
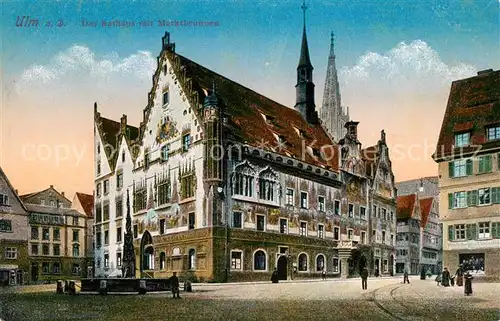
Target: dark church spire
(304, 90)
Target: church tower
(332, 113)
(304, 102)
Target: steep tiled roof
(2, 173)
(25, 197)
(430, 184)
(44, 209)
(254, 119)
(110, 132)
(405, 206)
(87, 202)
(425, 210)
(473, 104)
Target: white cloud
(80, 60)
(413, 67)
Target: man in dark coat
(406, 279)
(468, 284)
(460, 275)
(174, 282)
(445, 277)
(422, 274)
(364, 278)
(274, 276)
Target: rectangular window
(118, 259)
(119, 180)
(237, 220)
(351, 210)
(98, 213)
(186, 142)
(484, 196)
(493, 133)
(336, 208)
(485, 164)
(45, 234)
(147, 157)
(106, 187)
(192, 221)
(289, 196)
(105, 212)
(362, 213)
(283, 225)
(484, 230)
(460, 200)
(392, 239)
(260, 222)
(135, 231)
(266, 189)
(56, 234)
(162, 226)
(321, 231)
(349, 234)
(303, 228)
(119, 207)
(384, 214)
(5, 226)
(106, 237)
(164, 152)
(164, 193)
(462, 139)
(460, 168)
(56, 250)
(119, 233)
(45, 249)
(98, 239)
(165, 98)
(236, 260)
(76, 235)
(336, 264)
(460, 232)
(11, 253)
(4, 199)
(106, 260)
(75, 220)
(375, 211)
(34, 249)
(363, 237)
(336, 233)
(304, 203)
(383, 237)
(34, 233)
(98, 189)
(321, 203)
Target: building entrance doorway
(34, 272)
(147, 252)
(282, 267)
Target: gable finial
(304, 8)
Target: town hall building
(224, 184)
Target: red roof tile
(425, 210)
(475, 101)
(245, 108)
(87, 202)
(405, 206)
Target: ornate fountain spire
(128, 261)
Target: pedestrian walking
(460, 275)
(174, 283)
(364, 278)
(323, 274)
(275, 276)
(445, 281)
(406, 279)
(438, 279)
(468, 283)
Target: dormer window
(164, 153)
(186, 142)
(165, 98)
(493, 133)
(462, 139)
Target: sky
(396, 61)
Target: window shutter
(494, 230)
(471, 231)
(480, 165)
(451, 169)
(487, 159)
(469, 166)
(469, 198)
(474, 198)
(450, 200)
(450, 233)
(494, 195)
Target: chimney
(51, 186)
(382, 136)
(62, 193)
(352, 129)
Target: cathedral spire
(332, 113)
(304, 89)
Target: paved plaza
(385, 299)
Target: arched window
(320, 262)
(268, 185)
(192, 259)
(259, 261)
(336, 265)
(162, 261)
(76, 250)
(303, 262)
(244, 180)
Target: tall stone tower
(332, 113)
(213, 159)
(304, 89)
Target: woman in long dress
(445, 278)
(460, 275)
(468, 284)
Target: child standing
(438, 279)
